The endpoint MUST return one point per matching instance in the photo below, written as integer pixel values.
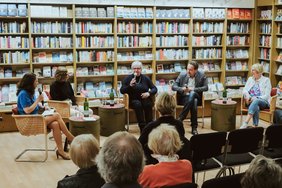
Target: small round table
(223, 115)
(112, 119)
(81, 125)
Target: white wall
(194, 3)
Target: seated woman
(28, 104)
(83, 151)
(164, 141)
(165, 105)
(256, 94)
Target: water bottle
(112, 97)
(86, 107)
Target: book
(12, 10)
(22, 10)
(160, 68)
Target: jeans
(141, 108)
(255, 107)
(190, 103)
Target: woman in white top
(256, 94)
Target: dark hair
(26, 83)
(194, 64)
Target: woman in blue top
(29, 104)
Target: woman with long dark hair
(29, 104)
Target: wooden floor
(29, 175)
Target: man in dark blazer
(190, 85)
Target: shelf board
(278, 21)
(207, 59)
(264, 33)
(264, 47)
(277, 61)
(265, 72)
(137, 34)
(212, 71)
(214, 46)
(167, 73)
(13, 17)
(161, 47)
(51, 18)
(94, 48)
(52, 63)
(93, 19)
(238, 33)
(14, 64)
(94, 62)
(11, 79)
(51, 49)
(135, 19)
(94, 34)
(278, 74)
(172, 34)
(51, 34)
(95, 76)
(279, 48)
(264, 20)
(14, 34)
(130, 61)
(261, 59)
(239, 20)
(237, 85)
(231, 59)
(173, 19)
(209, 19)
(166, 60)
(135, 48)
(238, 46)
(195, 33)
(279, 34)
(14, 49)
(234, 71)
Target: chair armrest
(272, 105)
(126, 101)
(62, 107)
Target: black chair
(240, 143)
(204, 148)
(224, 182)
(184, 185)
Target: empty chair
(204, 148)
(232, 181)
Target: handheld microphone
(135, 74)
(40, 92)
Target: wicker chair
(62, 107)
(29, 125)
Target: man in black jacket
(190, 85)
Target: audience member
(120, 161)
(164, 141)
(165, 105)
(256, 94)
(190, 85)
(83, 151)
(262, 173)
(278, 117)
(29, 104)
(140, 89)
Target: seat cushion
(236, 159)
(205, 165)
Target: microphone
(40, 92)
(135, 74)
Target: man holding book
(190, 86)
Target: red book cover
(248, 14)
(236, 13)
(242, 13)
(229, 13)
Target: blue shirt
(25, 100)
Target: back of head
(121, 159)
(61, 74)
(262, 173)
(27, 83)
(83, 151)
(165, 103)
(164, 140)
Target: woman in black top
(165, 104)
(139, 88)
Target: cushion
(15, 110)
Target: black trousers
(278, 117)
(190, 103)
(143, 110)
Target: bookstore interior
(98, 42)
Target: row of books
(238, 40)
(13, 10)
(94, 12)
(49, 11)
(212, 80)
(51, 27)
(235, 80)
(95, 42)
(95, 89)
(279, 57)
(134, 12)
(173, 13)
(134, 56)
(215, 92)
(92, 56)
(176, 40)
(238, 53)
(12, 42)
(8, 93)
(14, 57)
(239, 13)
(172, 27)
(206, 40)
(171, 68)
(92, 27)
(209, 66)
(279, 28)
(210, 13)
(279, 70)
(134, 41)
(171, 54)
(279, 15)
(129, 27)
(237, 65)
(265, 41)
(52, 42)
(49, 71)
(264, 53)
(266, 14)
(52, 57)
(265, 28)
(238, 27)
(164, 85)
(279, 42)
(126, 69)
(207, 53)
(265, 65)
(13, 27)
(208, 27)
(8, 72)
(107, 69)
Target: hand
(145, 95)
(132, 82)
(186, 89)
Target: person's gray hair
(83, 151)
(121, 159)
(136, 64)
(262, 172)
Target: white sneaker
(244, 125)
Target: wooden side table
(78, 125)
(112, 119)
(223, 115)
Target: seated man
(277, 117)
(190, 85)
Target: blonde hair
(257, 67)
(164, 140)
(165, 103)
(83, 150)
